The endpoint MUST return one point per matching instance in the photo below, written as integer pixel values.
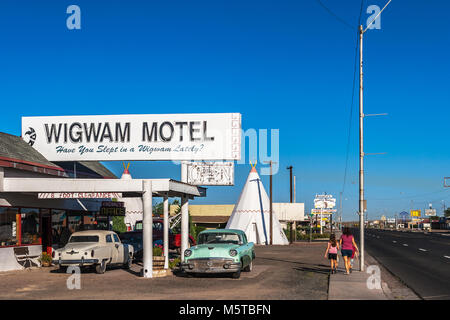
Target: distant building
(216, 215)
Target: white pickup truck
(96, 248)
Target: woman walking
(347, 243)
(332, 251)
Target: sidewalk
(352, 286)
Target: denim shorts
(347, 253)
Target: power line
(336, 16)
(353, 98)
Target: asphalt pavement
(420, 260)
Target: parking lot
(297, 271)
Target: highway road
(421, 261)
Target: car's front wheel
(127, 265)
(101, 267)
(249, 268)
(236, 275)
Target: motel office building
(30, 226)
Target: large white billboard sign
(324, 201)
(208, 136)
(210, 173)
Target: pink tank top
(347, 243)
(332, 249)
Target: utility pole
(290, 183)
(295, 225)
(361, 151)
(295, 198)
(361, 140)
(271, 206)
(290, 199)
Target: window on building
(30, 226)
(75, 219)
(8, 226)
(59, 222)
(157, 226)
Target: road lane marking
(422, 249)
(405, 245)
(394, 241)
(448, 257)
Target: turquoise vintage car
(220, 251)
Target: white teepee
(247, 216)
(133, 206)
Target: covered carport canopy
(145, 188)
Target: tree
(158, 209)
(119, 225)
(447, 213)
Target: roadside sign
(210, 173)
(430, 212)
(112, 211)
(124, 137)
(112, 208)
(322, 211)
(415, 213)
(324, 201)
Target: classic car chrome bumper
(79, 262)
(210, 265)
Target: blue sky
(284, 65)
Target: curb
(385, 286)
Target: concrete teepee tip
(126, 174)
(253, 167)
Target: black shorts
(332, 256)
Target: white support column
(184, 224)
(147, 230)
(166, 231)
(184, 171)
(2, 176)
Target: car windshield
(218, 238)
(83, 239)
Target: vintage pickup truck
(220, 251)
(95, 248)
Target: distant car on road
(94, 248)
(134, 238)
(220, 251)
